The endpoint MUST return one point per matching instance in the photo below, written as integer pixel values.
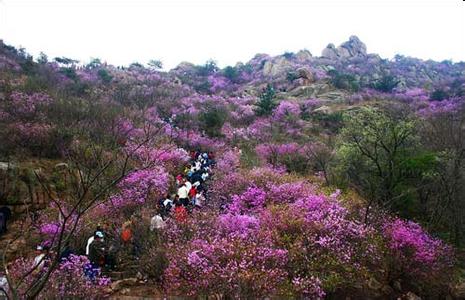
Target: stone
(458, 291)
(352, 48)
(61, 166)
(305, 73)
(120, 284)
(330, 52)
(323, 109)
(412, 296)
(276, 67)
(303, 55)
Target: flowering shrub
(286, 111)
(252, 198)
(233, 265)
(67, 281)
(140, 186)
(416, 251)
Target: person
(39, 260)
(92, 238)
(126, 234)
(4, 287)
(157, 222)
(2, 223)
(211, 156)
(188, 185)
(167, 205)
(204, 176)
(183, 194)
(179, 179)
(199, 199)
(180, 213)
(193, 191)
(97, 251)
(5, 215)
(192, 155)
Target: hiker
(193, 191)
(157, 222)
(204, 176)
(183, 194)
(39, 260)
(179, 180)
(199, 200)
(92, 238)
(97, 251)
(4, 287)
(126, 234)
(5, 215)
(180, 212)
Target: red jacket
(180, 214)
(192, 192)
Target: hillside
(320, 177)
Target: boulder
(352, 48)
(330, 52)
(305, 73)
(303, 55)
(276, 67)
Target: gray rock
(303, 55)
(330, 52)
(276, 67)
(352, 48)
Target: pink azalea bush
(67, 281)
(415, 252)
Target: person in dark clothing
(5, 215)
(97, 251)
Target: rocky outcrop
(277, 67)
(303, 56)
(352, 48)
(330, 52)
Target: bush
(386, 83)
(212, 120)
(439, 95)
(266, 103)
(344, 81)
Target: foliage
(266, 104)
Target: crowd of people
(191, 190)
(189, 194)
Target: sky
(124, 31)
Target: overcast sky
(125, 31)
